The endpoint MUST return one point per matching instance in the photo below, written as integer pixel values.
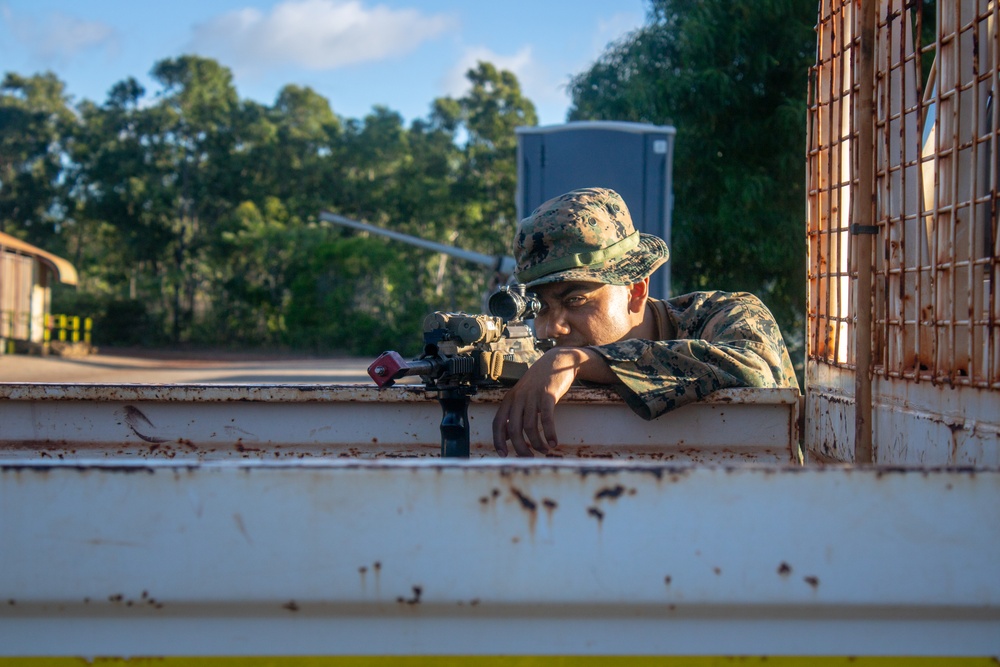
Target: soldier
(590, 268)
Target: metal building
(26, 275)
(634, 159)
(904, 252)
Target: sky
(401, 54)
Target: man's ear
(638, 293)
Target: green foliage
(191, 214)
(731, 76)
(490, 113)
(353, 294)
(36, 123)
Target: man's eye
(575, 301)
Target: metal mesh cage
(935, 160)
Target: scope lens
(505, 305)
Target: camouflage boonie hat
(585, 235)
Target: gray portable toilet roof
(617, 125)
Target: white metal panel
(533, 557)
(915, 423)
(293, 421)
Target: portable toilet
(634, 159)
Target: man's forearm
(591, 366)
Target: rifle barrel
(497, 263)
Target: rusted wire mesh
(937, 253)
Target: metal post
(863, 230)
(455, 422)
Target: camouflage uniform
(706, 340)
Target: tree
(290, 151)
(731, 76)
(197, 111)
(489, 113)
(250, 263)
(36, 123)
(195, 212)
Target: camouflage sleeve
(734, 343)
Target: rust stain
(417, 592)
(596, 513)
(610, 492)
(148, 599)
(955, 429)
(812, 581)
(242, 527)
(133, 416)
(291, 605)
(784, 569)
(526, 502)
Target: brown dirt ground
(167, 366)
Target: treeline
(192, 214)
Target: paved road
(133, 367)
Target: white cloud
(59, 37)
(522, 64)
(544, 82)
(315, 34)
(539, 83)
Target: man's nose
(553, 325)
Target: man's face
(582, 313)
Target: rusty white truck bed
(207, 422)
(180, 521)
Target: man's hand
(526, 416)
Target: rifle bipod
(454, 402)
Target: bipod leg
(455, 422)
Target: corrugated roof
(63, 270)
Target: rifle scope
(511, 303)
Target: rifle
(463, 352)
(502, 265)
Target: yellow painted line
(502, 661)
